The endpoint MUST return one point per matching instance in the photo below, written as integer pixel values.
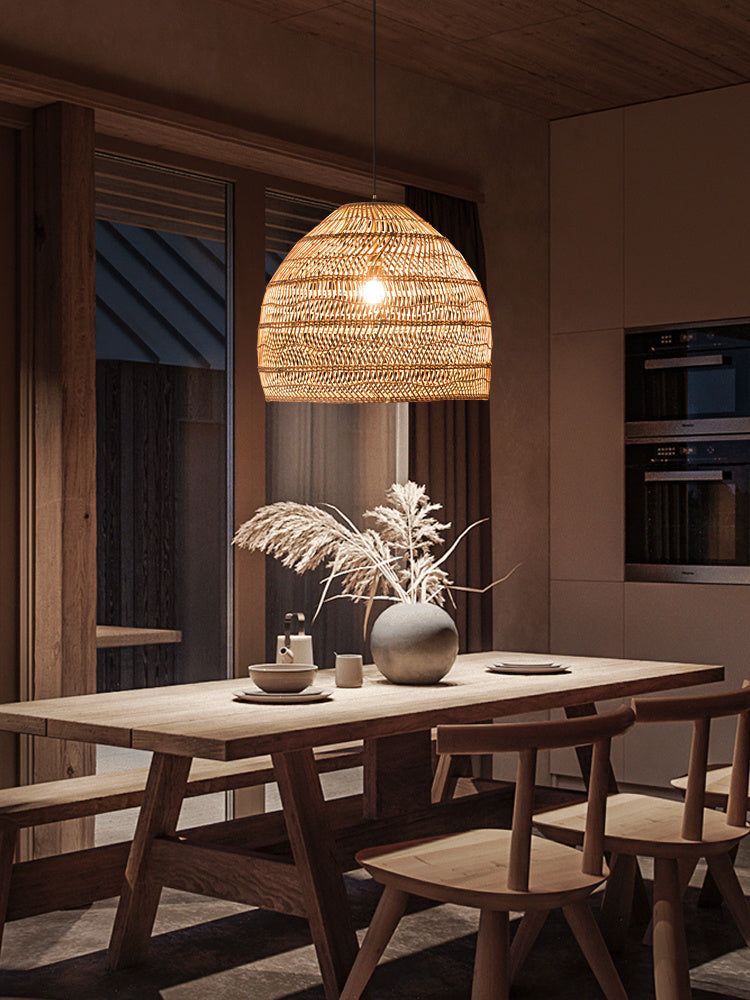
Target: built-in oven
(688, 380)
(688, 509)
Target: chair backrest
(526, 738)
(700, 710)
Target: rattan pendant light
(374, 305)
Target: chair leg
(641, 900)
(723, 873)
(523, 940)
(589, 937)
(617, 904)
(389, 911)
(491, 980)
(685, 867)
(671, 969)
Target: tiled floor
(209, 950)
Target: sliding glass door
(163, 386)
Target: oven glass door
(687, 510)
(685, 375)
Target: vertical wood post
(10, 218)
(64, 557)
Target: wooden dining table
(245, 859)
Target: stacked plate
(259, 697)
(528, 666)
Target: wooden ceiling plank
(278, 10)
(346, 25)
(549, 57)
(462, 20)
(718, 32)
(600, 55)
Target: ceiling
(553, 58)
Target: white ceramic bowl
(282, 677)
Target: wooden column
(9, 450)
(64, 550)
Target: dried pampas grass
(392, 561)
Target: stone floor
(208, 950)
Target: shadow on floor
(210, 949)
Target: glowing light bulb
(373, 291)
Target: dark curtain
(449, 444)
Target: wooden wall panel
(9, 451)
(64, 432)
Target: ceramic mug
(348, 670)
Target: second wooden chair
(674, 834)
(498, 871)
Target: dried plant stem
(391, 562)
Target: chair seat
(645, 825)
(471, 869)
(717, 786)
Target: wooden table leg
(322, 884)
(584, 753)
(397, 774)
(139, 897)
(447, 772)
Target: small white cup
(348, 670)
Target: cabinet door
(687, 213)
(586, 456)
(689, 623)
(586, 619)
(586, 222)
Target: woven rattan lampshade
(374, 305)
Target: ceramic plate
(282, 697)
(529, 667)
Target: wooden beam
(64, 550)
(122, 117)
(65, 881)
(398, 774)
(222, 873)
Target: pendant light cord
(374, 101)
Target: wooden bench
(81, 877)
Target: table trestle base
(248, 877)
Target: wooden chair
(718, 779)
(497, 871)
(675, 834)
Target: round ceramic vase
(414, 643)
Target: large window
(163, 356)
